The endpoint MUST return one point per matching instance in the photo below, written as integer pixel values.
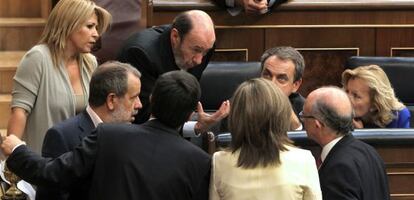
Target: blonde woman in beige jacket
(262, 162)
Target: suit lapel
(339, 145)
(85, 125)
(165, 48)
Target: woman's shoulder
(39, 49)
(36, 58)
(38, 52)
(222, 154)
(297, 154)
(225, 156)
(404, 112)
(297, 150)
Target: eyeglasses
(302, 116)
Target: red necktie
(318, 162)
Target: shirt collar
(328, 147)
(95, 118)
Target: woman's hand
(357, 123)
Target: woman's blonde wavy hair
(67, 17)
(383, 98)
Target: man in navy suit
(350, 169)
(114, 90)
(128, 161)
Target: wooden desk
(395, 146)
(326, 32)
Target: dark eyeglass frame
(302, 116)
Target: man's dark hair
(174, 98)
(286, 53)
(110, 77)
(183, 24)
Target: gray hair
(110, 77)
(286, 53)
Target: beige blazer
(296, 178)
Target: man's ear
(296, 85)
(319, 124)
(111, 100)
(174, 37)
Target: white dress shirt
(94, 117)
(328, 147)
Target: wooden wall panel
(402, 52)
(250, 39)
(231, 55)
(20, 8)
(328, 17)
(396, 154)
(388, 38)
(19, 38)
(6, 81)
(401, 183)
(362, 38)
(323, 67)
(402, 197)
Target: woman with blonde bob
(373, 99)
(52, 80)
(262, 162)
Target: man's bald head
(331, 106)
(194, 20)
(192, 37)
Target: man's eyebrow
(282, 75)
(199, 47)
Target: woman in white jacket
(262, 162)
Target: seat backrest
(374, 137)
(220, 79)
(400, 71)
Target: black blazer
(59, 139)
(151, 53)
(297, 101)
(149, 161)
(353, 170)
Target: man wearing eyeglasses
(350, 169)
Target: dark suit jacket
(151, 53)
(297, 101)
(353, 170)
(148, 161)
(59, 139)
